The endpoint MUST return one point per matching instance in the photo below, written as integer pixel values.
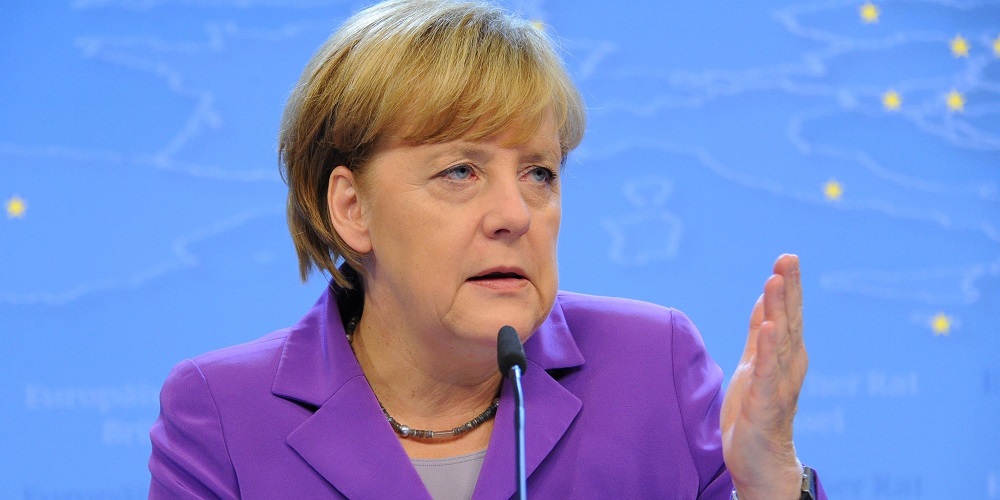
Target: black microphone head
(510, 352)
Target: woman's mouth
(500, 280)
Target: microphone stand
(512, 363)
(522, 484)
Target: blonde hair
(422, 71)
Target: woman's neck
(427, 385)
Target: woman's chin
(488, 326)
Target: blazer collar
(552, 347)
(316, 359)
(348, 440)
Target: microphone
(512, 363)
(510, 352)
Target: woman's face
(463, 234)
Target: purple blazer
(622, 401)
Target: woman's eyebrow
(455, 151)
(481, 154)
(541, 157)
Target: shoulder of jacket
(249, 355)
(576, 304)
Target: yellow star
(16, 207)
(941, 324)
(955, 101)
(538, 25)
(996, 46)
(891, 100)
(833, 190)
(959, 46)
(869, 13)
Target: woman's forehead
(511, 126)
(537, 133)
(542, 145)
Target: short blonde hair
(422, 71)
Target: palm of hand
(761, 400)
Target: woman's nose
(507, 210)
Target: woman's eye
(541, 174)
(459, 172)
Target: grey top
(452, 478)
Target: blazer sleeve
(189, 456)
(698, 378)
(698, 384)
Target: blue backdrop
(144, 211)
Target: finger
(756, 318)
(797, 361)
(765, 367)
(757, 314)
(793, 299)
(774, 312)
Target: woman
(422, 148)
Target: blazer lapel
(352, 446)
(347, 440)
(549, 409)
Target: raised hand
(763, 395)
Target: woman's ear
(344, 205)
